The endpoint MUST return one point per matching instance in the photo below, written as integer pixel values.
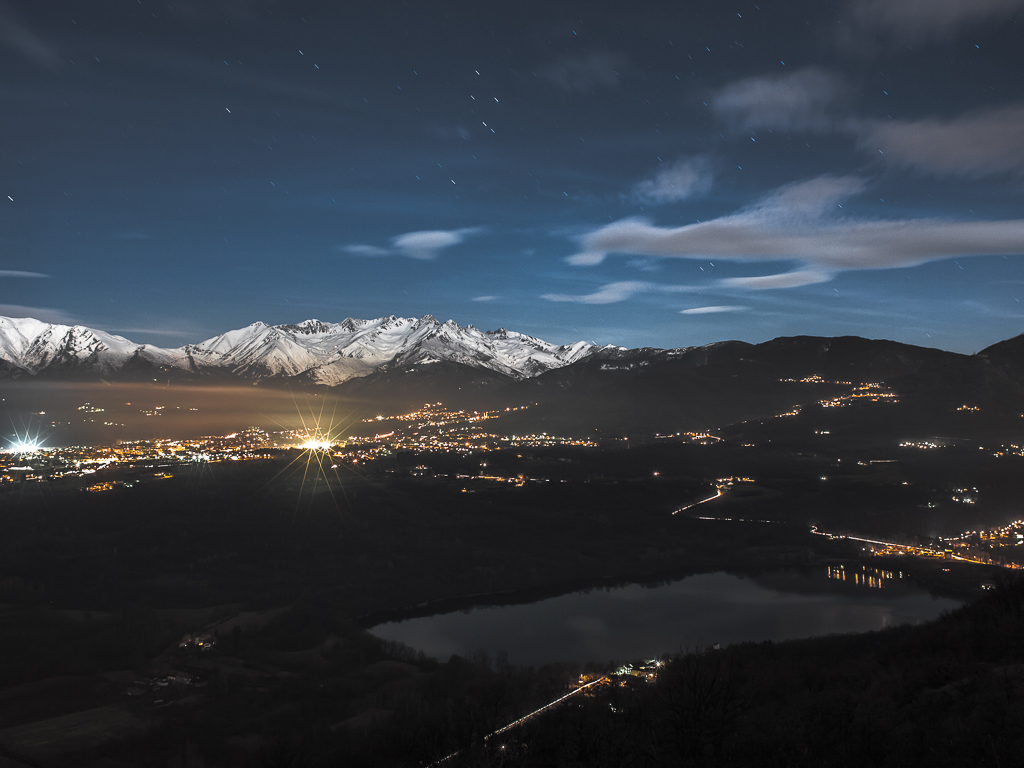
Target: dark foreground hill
(730, 382)
(948, 693)
(1007, 356)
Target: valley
(215, 589)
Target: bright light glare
(315, 444)
(24, 445)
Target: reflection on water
(873, 578)
(637, 622)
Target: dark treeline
(943, 694)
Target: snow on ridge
(32, 345)
(327, 353)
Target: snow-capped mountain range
(322, 353)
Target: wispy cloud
(484, 298)
(800, 100)
(973, 145)
(912, 21)
(803, 223)
(17, 36)
(794, 279)
(46, 314)
(685, 178)
(157, 332)
(988, 310)
(428, 243)
(586, 258)
(424, 245)
(645, 265)
(19, 273)
(615, 292)
(449, 132)
(803, 201)
(366, 250)
(585, 74)
(712, 310)
(838, 245)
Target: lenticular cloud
(802, 223)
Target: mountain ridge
(318, 352)
(410, 358)
(394, 365)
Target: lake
(632, 622)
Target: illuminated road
(702, 501)
(546, 707)
(910, 549)
(524, 718)
(814, 529)
(918, 551)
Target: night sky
(644, 174)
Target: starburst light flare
(24, 445)
(316, 443)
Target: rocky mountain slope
(318, 352)
(572, 387)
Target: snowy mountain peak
(308, 327)
(322, 352)
(30, 346)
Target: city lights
(24, 445)
(316, 444)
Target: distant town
(436, 429)
(431, 429)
